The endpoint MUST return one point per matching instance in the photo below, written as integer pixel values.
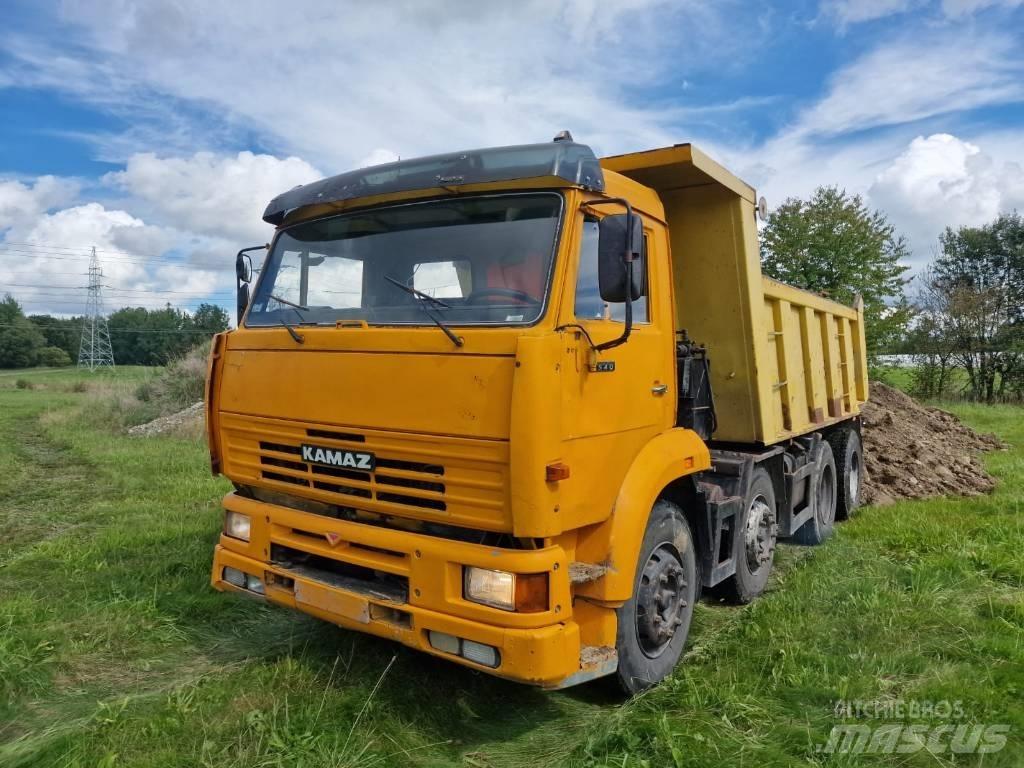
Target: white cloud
(338, 82)
(860, 134)
(960, 8)
(47, 265)
(171, 237)
(212, 194)
(19, 200)
(378, 156)
(847, 12)
(940, 181)
(915, 78)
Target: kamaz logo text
(333, 458)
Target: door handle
(659, 389)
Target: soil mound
(184, 423)
(912, 451)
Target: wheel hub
(759, 541)
(661, 600)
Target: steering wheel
(508, 293)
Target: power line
(55, 247)
(125, 292)
(30, 248)
(118, 330)
(52, 247)
(154, 303)
(73, 274)
(72, 257)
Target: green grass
(114, 651)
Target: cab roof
(562, 159)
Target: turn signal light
(555, 472)
(532, 593)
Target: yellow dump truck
(517, 407)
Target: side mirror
(243, 267)
(620, 242)
(243, 273)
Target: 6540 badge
(332, 457)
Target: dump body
(784, 361)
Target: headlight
(236, 525)
(526, 593)
(494, 588)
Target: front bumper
(538, 648)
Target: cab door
(611, 409)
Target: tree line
(138, 336)
(961, 319)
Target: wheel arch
(663, 468)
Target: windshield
(469, 261)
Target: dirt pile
(183, 423)
(912, 451)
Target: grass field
(114, 651)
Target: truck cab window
(589, 305)
(487, 257)
(339, 281)
(443, 279)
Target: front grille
(444, 479)
(424, 480)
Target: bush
(24, 384)
(52, 357)
(181, 383)
(122, 404)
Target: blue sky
(157, 131)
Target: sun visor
(575, 163)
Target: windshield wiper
(289, 303)
(298, 337)
(422, 300)
(410, 290)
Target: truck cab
(470, 407)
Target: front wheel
(654, 624)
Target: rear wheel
(849, 457)
(759, 529)
(819, 527)
(654, 624)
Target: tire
(819, 527)
(653, 625)
(849, 455)
(759, 533)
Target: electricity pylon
(94, 350)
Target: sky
(158, 131)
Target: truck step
(591, 655)
(584, 573)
